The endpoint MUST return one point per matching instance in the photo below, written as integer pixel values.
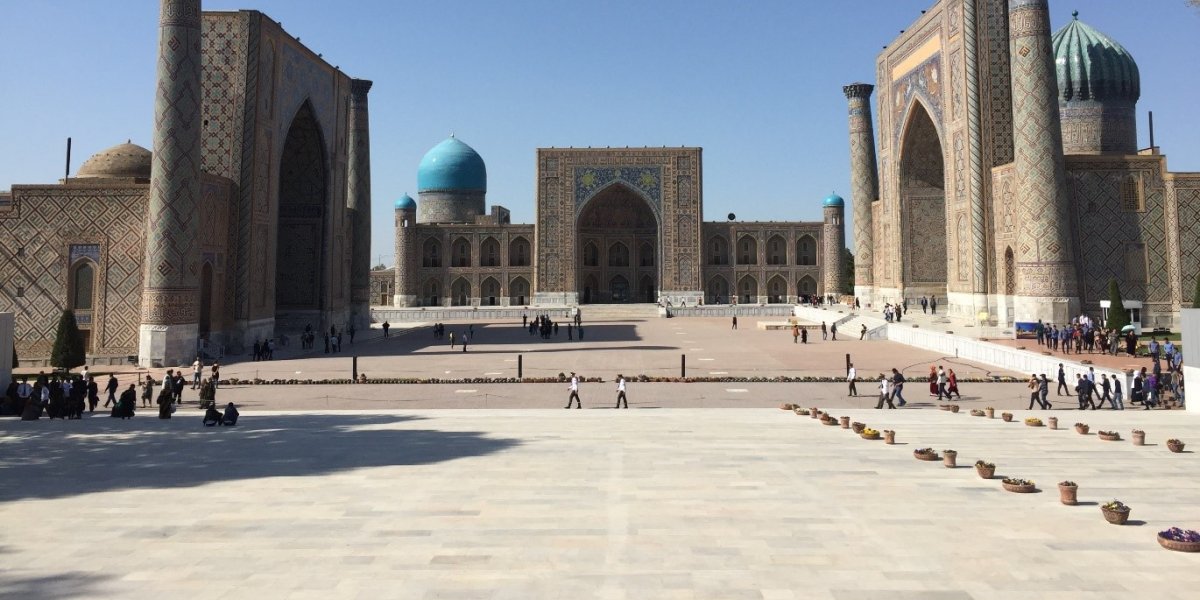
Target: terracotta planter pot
(985, 472)
(1007, 417)
(948, 459)
(814, 412)
(1139, 438)
(845, 421)
(953, 408)
(1178, 546)
(858, 427)
(1067, 494)
(1116, 517)
(787, 406)
(1082, 429)
(1052, 422)
(1020, 489)
(991, 413)
(1176, 448)
(1115, 437)
(889, 438)
(926, 457)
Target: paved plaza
(673, 503)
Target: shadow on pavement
(54, 459)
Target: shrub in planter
(1109, 436)
(787, 406)
(1067, 493)
(926, 454)
(990, 412)
(975, 412)
(953, 408)
(869, 434)
(801, 411)
(1115, 512)
(858, 427)
(1019, 486)
(986, 470)
(1175, 445)
(1007, 417)
(1082, 428)
(1180, 540)
(1033, 422)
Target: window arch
(718, 290)
(431, 254)
(518, 291)
(460, 292)
(776, 251)
(748, 290)
(489, 292)
(806, 286)
(433, 293)
(777, 290)
(518, 252)
(461, 253)
(489, 253)
(591, 255)
(646, 255)
(806, 251)
(718, 251)
(747, 250)
(618, 255)
(83, 285)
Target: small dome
(1091, 66)
(452, 166)
(122, 160)
(406, 203)
(834, 200)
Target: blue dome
(452, 166)
(1091, 66)
(406, 203)
(834, 200)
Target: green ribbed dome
(1091, 66)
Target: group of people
(573, 392)
(545, 327)
(59, 396)
(943, 384)
(1082, 334)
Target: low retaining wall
(466, 313)
(730, 310)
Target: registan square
(237, 363)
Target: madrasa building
(1002, 173)
(612, 226)
(250, 218)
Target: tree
(847, 271)
(1118, 317)
(68, 350)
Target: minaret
(358, 200)
(406, 252)
(170, 286)
(833, 241)
(1045, 270)
(864, 186)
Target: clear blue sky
(756, 84)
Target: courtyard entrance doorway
(618, 245)
(923, 208)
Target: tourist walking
(734, 322)
(863, 334)
(803, 335)
(952, 385)
(898, 386)
(111, 388)
(1062, 381)
(851, 376)
(833, 331)
(1106, 392)
(621, 392)
(148, 391)
(197, 370)
(941, 384)
(795, 333)
(1118, 402)
(824, 331)
(1033, 386)
(573, 387)
(386, 327)
(885, 393)
(924, 305)
(452, 339)
(1044, 391)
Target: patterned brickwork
(1096, 127)
(358, 194)
(720, 275)
(171, 270)
(406, 253)
(224, 65)
(834, 239)
(864, 181)
(1045, 250)
(46, 221)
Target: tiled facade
(980, 199)
(614, 226)
(273, 239)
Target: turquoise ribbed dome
(1091, 66)
(834, 200)
(406, 203)
(452, 166)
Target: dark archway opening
(923, 207)
(300, 283)
(206, 277)
(613, 222)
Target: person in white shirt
(197, 369)
(885, 393)
(621, 392)
(850, 377)
(574, 388)
(941, 383)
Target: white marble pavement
(668, 503)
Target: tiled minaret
(833, 236)
(406, 252)
(864, 186)
(1045, 269)
(170, 287)
(358, 200)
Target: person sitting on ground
(212, 417)
(231, 415)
